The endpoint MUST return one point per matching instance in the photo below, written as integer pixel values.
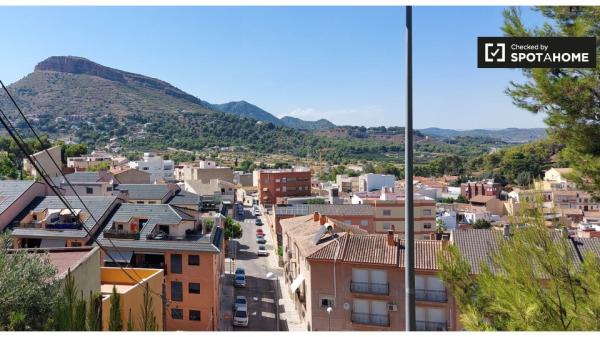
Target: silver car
(240, 317)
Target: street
(259, 290)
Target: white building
(157, 167)
(449, 219)
(371, 182)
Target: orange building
(167, 237)
(282, 183)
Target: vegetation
(232, 229)
(147, 318)
(561, 295)
(316, 201)
(94, 315)
(461, 199)
(482, 224)
(115, 323)
(180, 157)
(569, 97)
(71, 308)
(340, 169)
(102, 166)
(208, 225)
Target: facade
(555, 179)
(167, 237)
(575, 199)
(46, 161)
(87, 183)
(486, 188)
(216, 189)
(158, 168)
(282, 183)
(389, 212)
(490, 203)
(346, 183)
(83, 163)
(82, 262)
(242, 178)
(371, 182)
(131, 293)
(46, 223)
(205, 171)
(16, 195)
(363, 287)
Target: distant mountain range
(509, 135)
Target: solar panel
(319, 234)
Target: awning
(120, 256)
(53, 243)
(297, 282)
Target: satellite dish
(346, 306)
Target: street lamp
(329, 310)
(273, 277)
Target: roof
(69, 258)
(11, 190)
(98, 206)
(159, 214)
(563, 170)
(483, 199)
(143, 191)
(583, 245)
(325, 209)
(81, 177)
(185, 198)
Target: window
(75, 244)
(277, 180)
(176, 263)
(89, 190)
(176, 291)
(426, 212)
(151, 202)
(387, 212)
(427, 225)
(194, 288)
(194, 315)
(387, 226)
(177, 313)
(109, 189)
(146, 169)
(193, 260)
(364, 223)
(139, 202)
(120, 227)
(327, 301)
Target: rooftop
(325, 209)
(144, 191)
(185, 198)
(11, 190)
(481, 199)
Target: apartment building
(359, 278)
(87, 183)
(274, 184)
(46, 159)
(216, 189)
(47, 223)
(372, 182)
(204, 172)
(158, 168)
(389, 213)
(16, 195)
(575, 199)
(346, 183)
(556, 179)
(146, 193)
(487, 188)
(168, 238)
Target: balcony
(432, 326)
(63, 226)
(121, 234)
(431, 295)
(369, 288)
(370, 319)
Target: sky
(345, 64)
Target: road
(259, 291)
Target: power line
(17, 138)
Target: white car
(262, 251)
(240, 317)
(240, 303)
(256, 212)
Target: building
(130, 284)
(99, 183)
(204, 172)
(487, 188)
(242, 178)
(389, 212)
(47, 223)
(146, 193)
(48, 160)
(574, 199)
(158, 168)
(167, 237)
(361, 216)
(371, 182)
(127, 175)
(216, 189)
(282, 183)
(82, 262)
(360, 277)
(490, 203)
(83, 163)
(346, 183)
(556, 179)
(16, 195)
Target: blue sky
(343, 64)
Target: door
(360, 280)
(360, 306)
(379, 313)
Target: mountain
(297, 123)
(245, 109)
(509, 135)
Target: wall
(133, 176)
(87, 273)
(46, 162)
(35, 190)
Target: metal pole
(409, 235)
(277, 299)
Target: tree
(28, 287)
(440, 226)
(129, 321)
(448, 200)
(533, 281)
(115, 323)
(72, 150)
(208, 225)
(569, 97)
(94, 314)
(482, 224)
(232, 229)
(147, 317)
(523, 179)
(71, 309)
(461, 199)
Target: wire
(16, 137)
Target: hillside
(297, 123)
(511, 135)
(245, 109)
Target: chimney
(322, 220)
(316, 216)
(506, 230)
(390, 238)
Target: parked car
(262, 251)
(261, 240)
(260, 235)
(240, 317)
(258, 222)
(240, 281)
(259, 231)
(256, 211)
(240, 303)
(240, 271)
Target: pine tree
(129, 321)
(115, 322)
(147, 319)
(94, 313)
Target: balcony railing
(43, 225)
(431, 295)
(432, 326)
(370, 319)
(369, 288)
(63, 226)
(121, 234)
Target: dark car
(259, 222)
(240, 271)
(240, 281)
(261, 240)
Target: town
(272, 249)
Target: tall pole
(409, 235)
